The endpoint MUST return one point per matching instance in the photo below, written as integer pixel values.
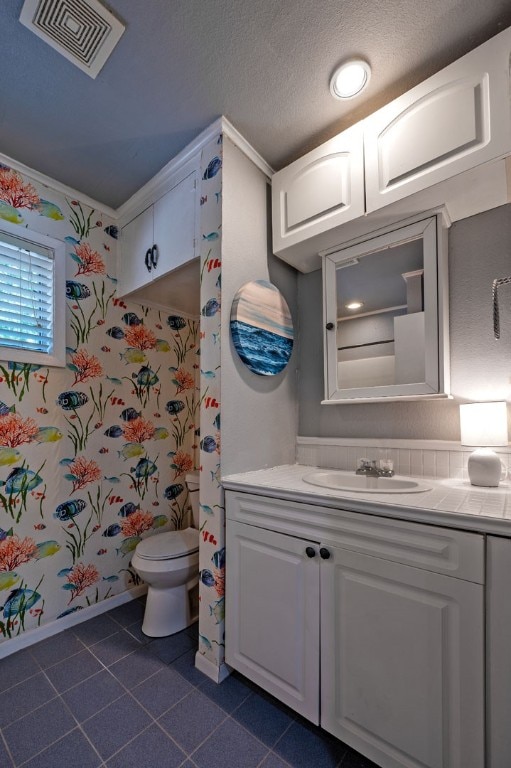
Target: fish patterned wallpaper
(212, 516)
(93, 456)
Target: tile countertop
(450, 503)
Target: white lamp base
(484, 468)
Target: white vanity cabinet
(455, 120)
(392, 613)
(160, 239)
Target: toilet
(169, 564)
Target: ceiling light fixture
(350, 78)
(354, 305)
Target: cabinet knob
(325, 554)
(330, 326)
(154, 255)
(147, 259)
(310, 552)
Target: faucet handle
(387, 466)
(366, 467)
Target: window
(32, 310)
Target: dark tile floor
(103, 695)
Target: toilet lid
(169, 545)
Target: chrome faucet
(368, 468)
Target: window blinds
(26, 294)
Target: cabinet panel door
(136, 238)
(272, 615)
(402, 663)
(454, 121)
(174, 227)
(319, 191)
(498, 660)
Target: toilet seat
(170, 545)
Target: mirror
(385, 316)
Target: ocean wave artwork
(262, 328)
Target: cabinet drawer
(432, 548)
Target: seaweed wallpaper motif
(212, 515)
(92, 456)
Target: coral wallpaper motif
(212, 515)
(92, 456)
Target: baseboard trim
(33, 636)
(217, 674)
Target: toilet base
(167, 610)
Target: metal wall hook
(494, 292)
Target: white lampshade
(484, 425)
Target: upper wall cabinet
(321, 190)
(432, 146)
(160, 239)
(455, 120)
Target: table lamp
(484, 425)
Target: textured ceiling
(264, 64)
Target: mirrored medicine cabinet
(385, 302)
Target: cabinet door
(498, 644)
(319, 191)
(136, 238)
(272, 614)
(402, 663)
(454, 121)
(174, 227)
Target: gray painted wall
(259, 413)
(479, 251)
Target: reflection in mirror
(380, 317)
(385, 315)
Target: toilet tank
(192, 482)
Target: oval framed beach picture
(262, 328)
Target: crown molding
(184, 163)
(235, 136)
(47, 181)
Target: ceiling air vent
(81, 30)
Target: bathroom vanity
(381, 617)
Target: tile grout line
(6, 746)
(59, 695)
(153, 718)
(127, 691)
(62, 736)
(84, 648)
(6, 690)
(198, 746)
(270, 749)
(44, 704)
(129, 742)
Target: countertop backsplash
(418, 458)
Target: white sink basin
(349, 481)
